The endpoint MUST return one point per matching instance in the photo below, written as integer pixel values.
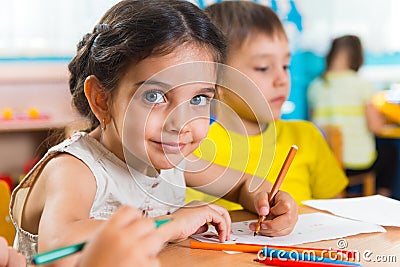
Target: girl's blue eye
(200, 100)
(154, 96)
(286, 67)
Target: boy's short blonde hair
(240, 19)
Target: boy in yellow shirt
(258, 47)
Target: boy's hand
(281, 217)
(194, 218)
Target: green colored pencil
(53, 255)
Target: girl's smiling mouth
(170, 147)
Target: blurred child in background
(259, 48)
(342, 98)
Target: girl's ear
(98, 98)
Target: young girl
(342, 98)
(258, 47)
(143, 77)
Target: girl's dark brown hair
(350, 44)
(240, 19)
(131, 31)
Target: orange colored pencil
(228, 247)
(251, 248)
(278, 182)
(282, 172)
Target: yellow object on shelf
(7, 114)
(33, 113)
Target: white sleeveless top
(116, 185)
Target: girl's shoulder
(86, 148)
(316, 84)
(67, 142)
(316, 81)
(54, 158)
(60, 164)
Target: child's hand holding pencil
(277, 210)
(280, 219)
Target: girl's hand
(194, 218)
(281, 217)
(127, 239)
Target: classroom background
(38, 38)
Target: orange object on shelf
(7, 114)
(33, 113)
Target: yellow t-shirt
(313, 174)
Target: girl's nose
(178, 118)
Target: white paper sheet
(374, 209)
(309, 228)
